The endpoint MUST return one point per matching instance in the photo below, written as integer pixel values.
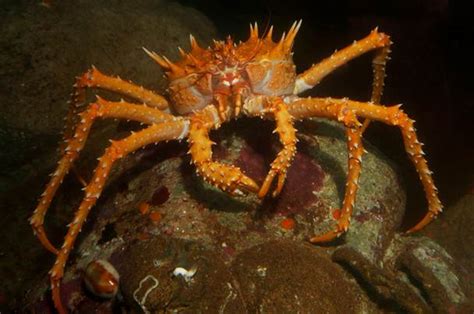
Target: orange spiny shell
(257, 66)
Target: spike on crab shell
(253, 31)
(173, 67)
(195, 48)
(182, 52)
(292, 34)
(269, 35)
(279, 50)
(101, 278)
(165, 63)
(284, 46)
(158, 59)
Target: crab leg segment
(378, 66)
(331, 108)
(99, 109)
(316, 73)
(287, 135)
(354, 145)
(157, 132)
(96, 79)
(225, 177)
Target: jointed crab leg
(355, 148)
(378, 66)
(169, 130)
(287, 134)
(332, 108)
(311, 77)
(96, 79)
(375, 40)
(225, 177)
(99, 109)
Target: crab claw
(268, 182)
(228, 178)
(245, 185)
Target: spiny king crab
(208, 87)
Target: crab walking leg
(329, 107)
(225, 177)
(96, 79)
(169, 130)
(99, 109)
(287, 135)
(317, 72)
(378, 66)
(356, 150)
(354, 145)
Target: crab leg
(100, 109)
(375, 40)
(96, 79)
(168, 130)
(332, 108)
(225, 177)
(311, 77)
(287, 134)
(378, 66)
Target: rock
(44, 49)
(149, 271)
(183, 209)
(453, 231)
(288, 277)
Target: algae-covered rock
(180, 206)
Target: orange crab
(208, 87)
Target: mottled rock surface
(245, 253)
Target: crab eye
(273, 78)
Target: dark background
(429, 72)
